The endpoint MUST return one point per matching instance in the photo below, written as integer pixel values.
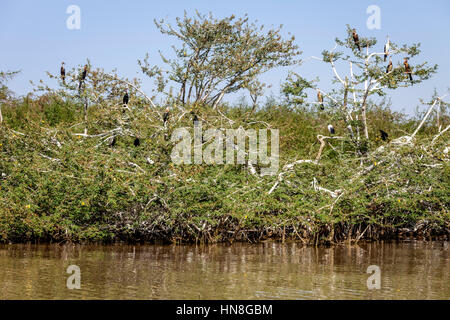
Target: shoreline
(255, 237)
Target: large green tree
(219, 56)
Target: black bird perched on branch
(83, 76)
(384, 135)
(390, 66)
(331, 129)
(408, 69)
(166, 115)
(125, 98)
(63, 73)
(356, 39)
(194, 116)
(137, 142)
(320, 99)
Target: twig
(438, 135)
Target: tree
(368, 75)
(219, 56)
(104, 90)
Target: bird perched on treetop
(63, 73)
(331, 129)
(408, 69)
(356, 39)
(83, 76)
(320, 99)
(384, 135)
(386, 49)
(166, 115)
(137, 142)
(125, 98)
(390, 66)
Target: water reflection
(409, 270)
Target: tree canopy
(219, 56)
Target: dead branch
(285, 169)
(333, 194)
(322, 139)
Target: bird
(113, 142)
(356, 39)
(331, 129)
(83, 76)
(194, 116)
(320, 99)
(390, 66)
(166, 115)
(125, 98)
(384, 135)
(408, 69)
(137, 142)
(386, 49)
(63, 73)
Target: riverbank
(58, 184)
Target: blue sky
(114, 34)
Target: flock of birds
(408, 71)
(383, 135)
(387, 47)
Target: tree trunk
(364, 116)
(219, 98)
(364, 119)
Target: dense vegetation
(58, 186)
(70, 170)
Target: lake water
(408, 270)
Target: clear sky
(114, 34)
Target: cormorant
(113, 142)
(194, 116)
(408, 69)
(125, 98)
(320, 99)
(390, 66)
(386, 49)
(63, 73)
(83, 76)
(166, 115)
(137, 142)
(356, 39)
(331, 129)
(384, 135)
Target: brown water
(409, 270)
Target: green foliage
(219, 56)
(58, 186)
